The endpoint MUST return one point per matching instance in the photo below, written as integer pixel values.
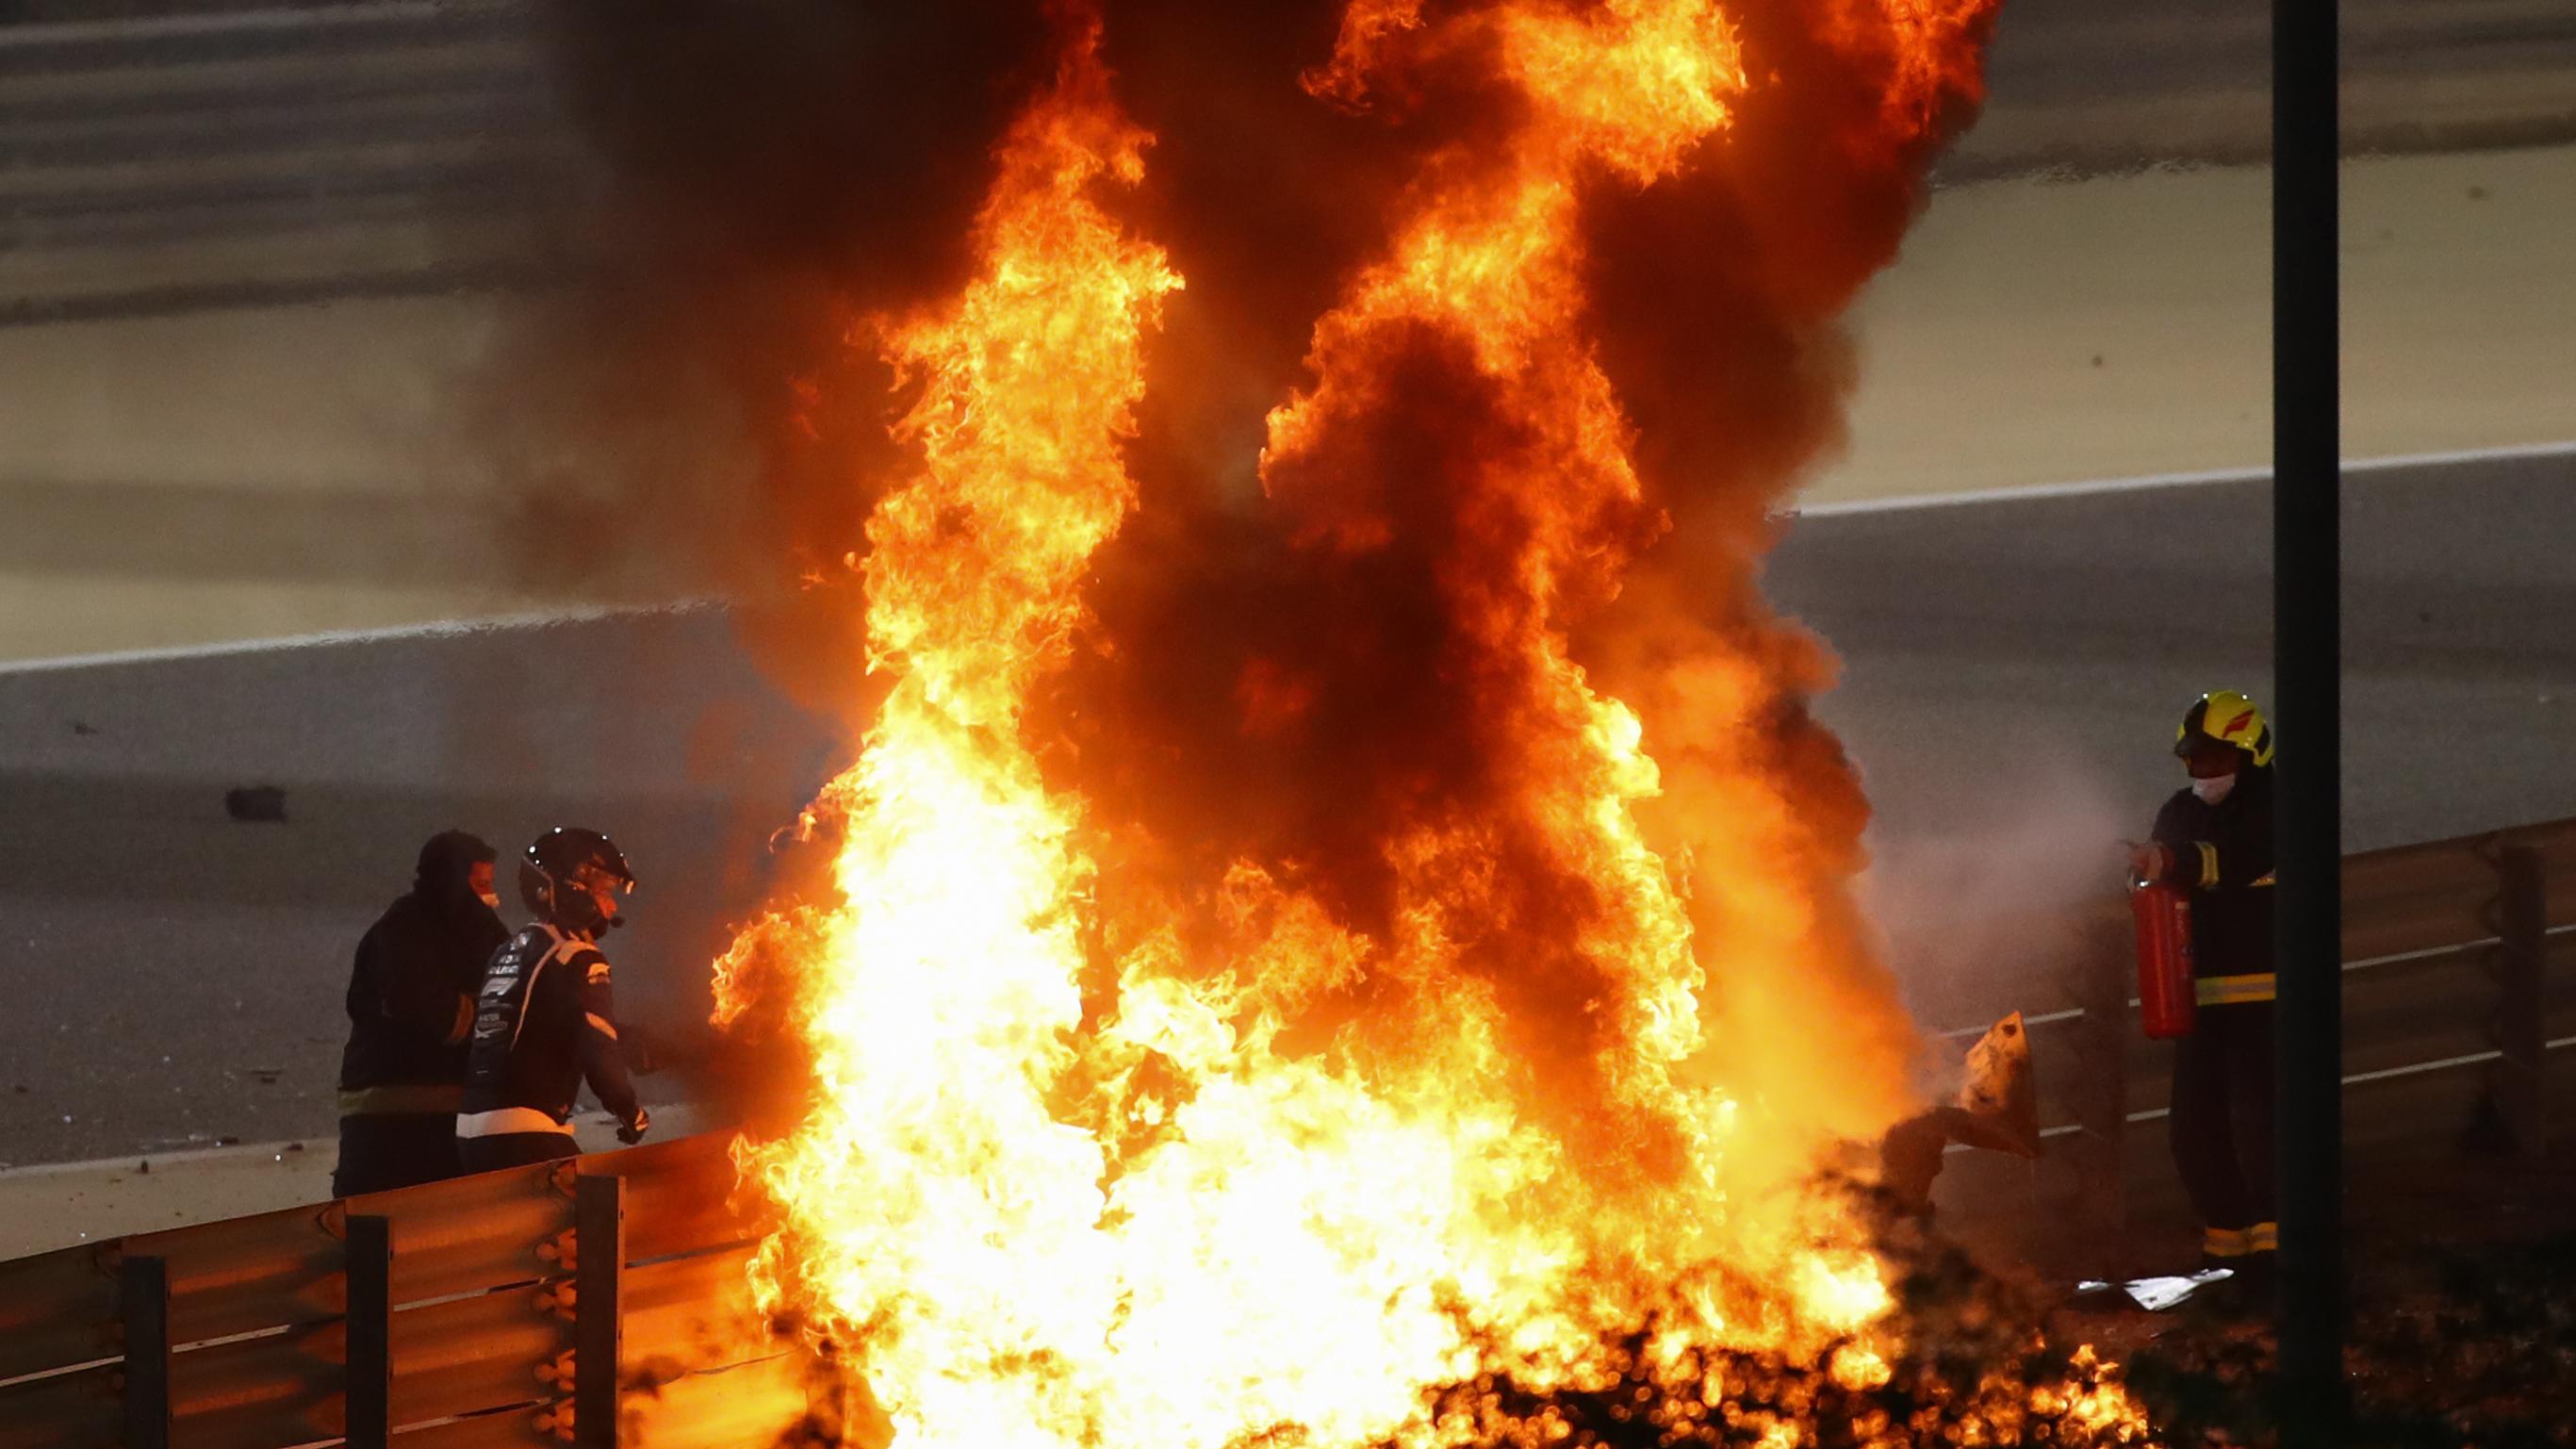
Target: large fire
(1094, 1156)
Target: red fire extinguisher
(2166, 998)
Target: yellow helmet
(2230, 718)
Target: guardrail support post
(599, 1236)
(2101, 1100)
(143, 1299)
(368, 1404)
(2514, 1088)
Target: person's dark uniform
(410, 1002)
(2221, 853)
(545, 1021)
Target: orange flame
(1069, 1183)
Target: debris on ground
(2155, 1295)
(256, 804)
(2465, 1346)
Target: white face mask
(489, 898)
(2214, 789)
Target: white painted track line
(442, 629)
(452, 628)
(2151, 481)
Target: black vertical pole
(2515, 1081)
(368, 1405)
(143, 1302)
(2308, 672)
(598, 1322)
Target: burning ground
(1338, 930)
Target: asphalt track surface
(173, 976)
(2045, 628)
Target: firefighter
(544, 1022)
(411, 1002)
(2213, 840)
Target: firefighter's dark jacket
(2222, 856)
(411, 995)
(543, 1023)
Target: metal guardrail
(593, 1302)
(604, 1300)
(2458, 954)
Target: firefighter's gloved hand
(632, 1130)
(2150, 860)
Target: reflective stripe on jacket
(2231, 990)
